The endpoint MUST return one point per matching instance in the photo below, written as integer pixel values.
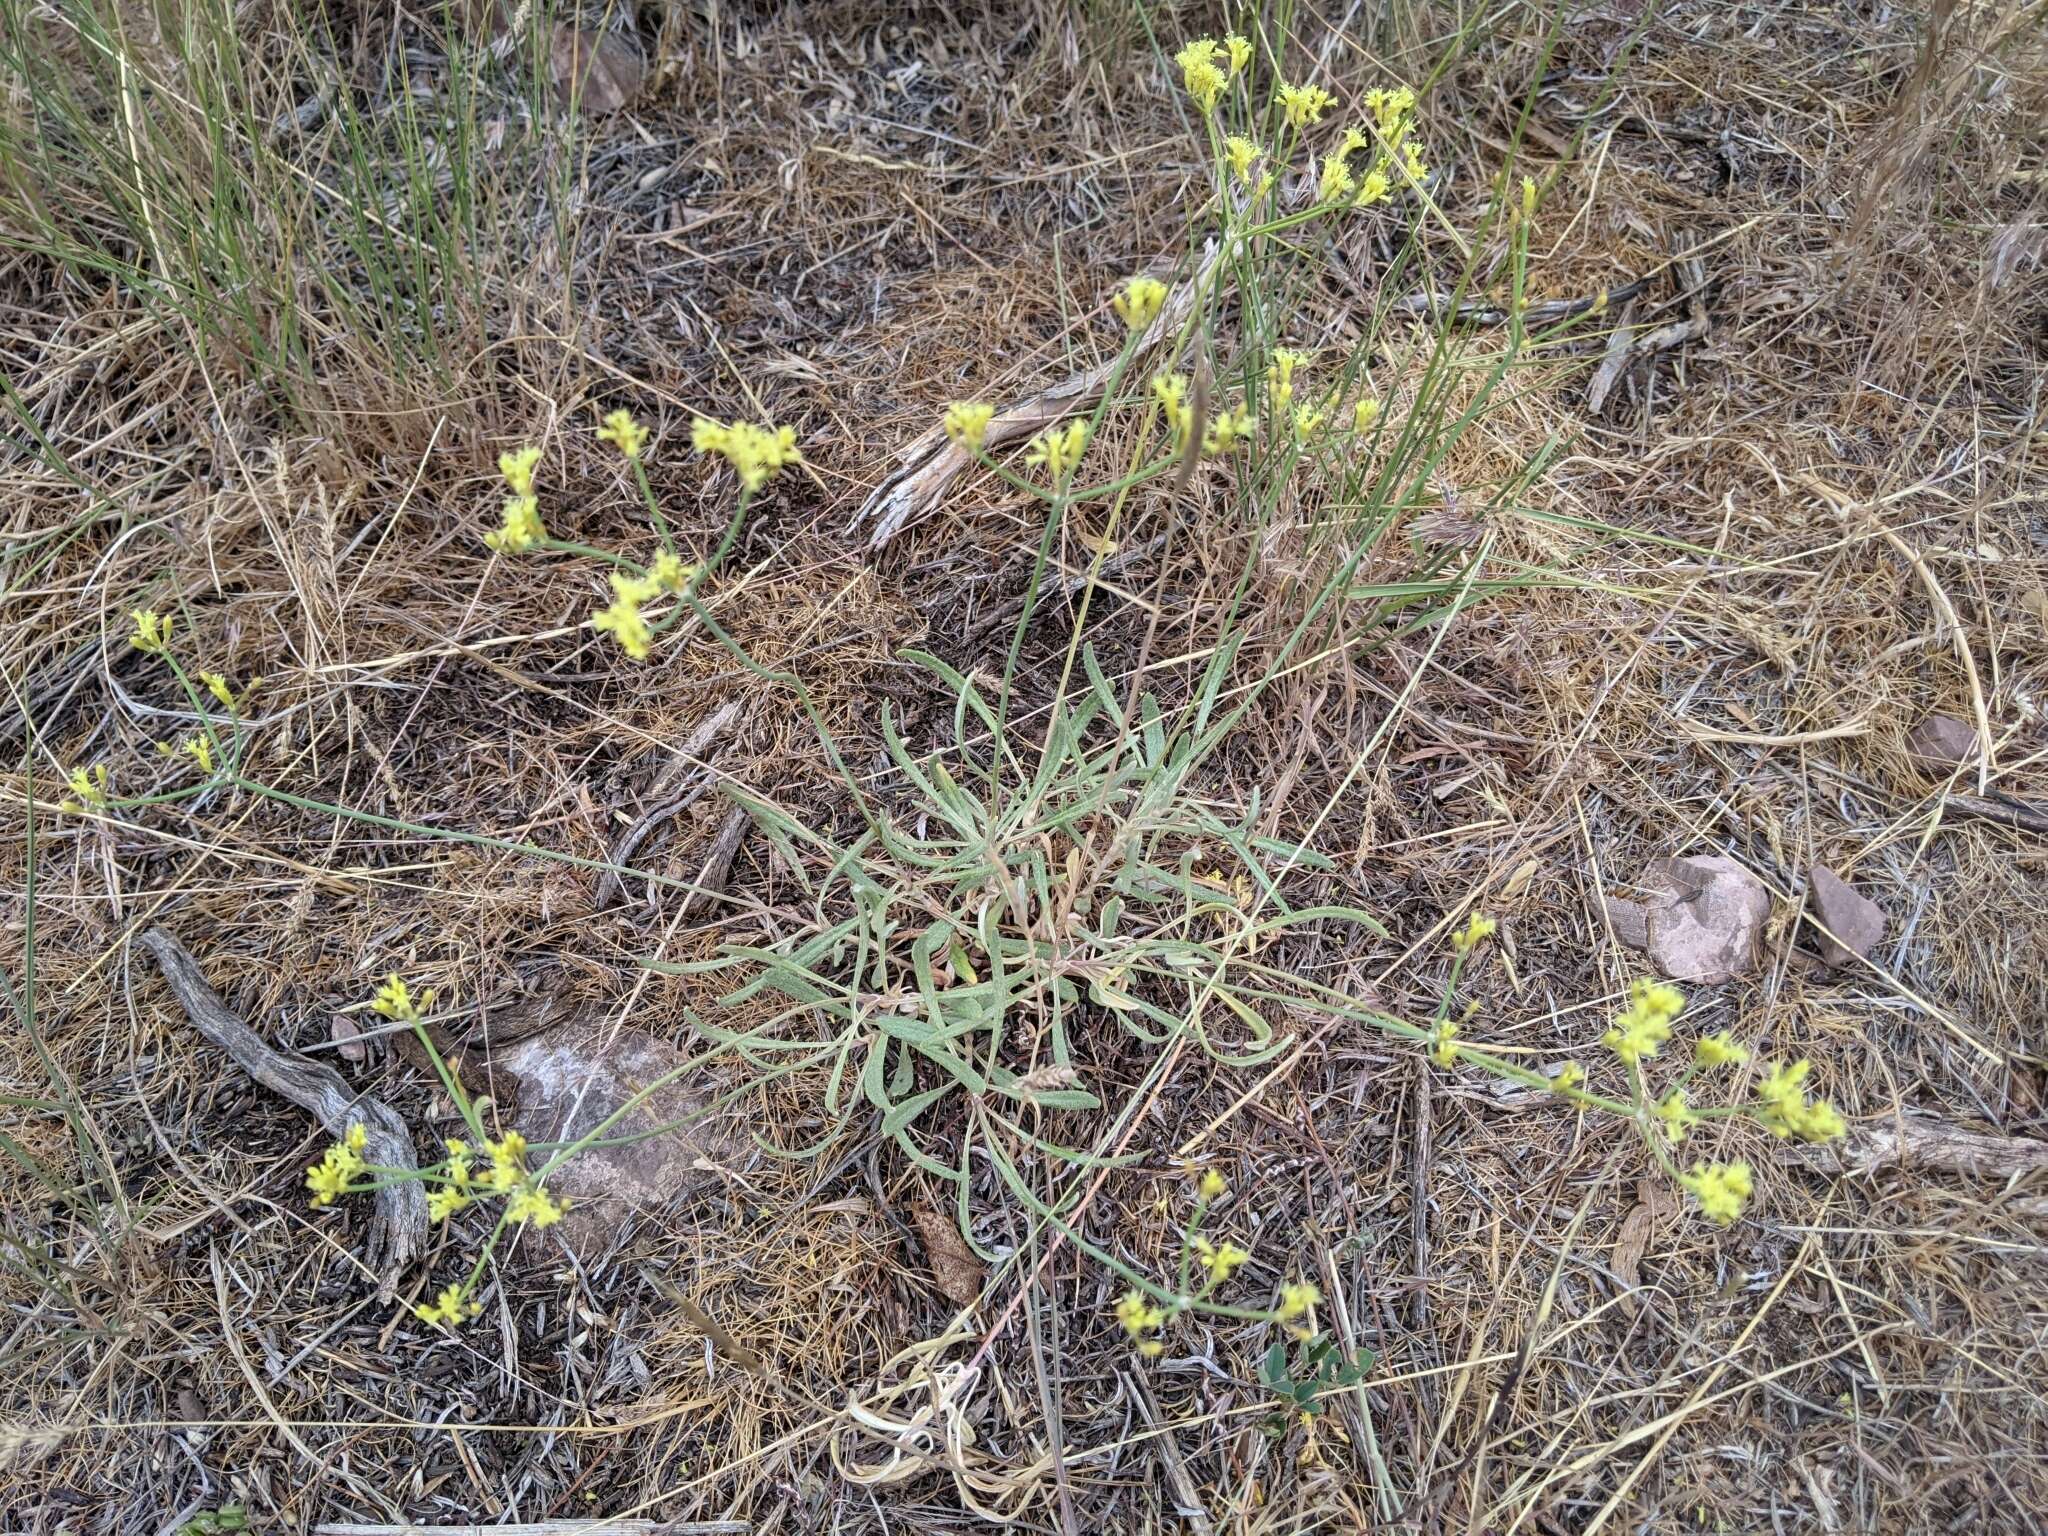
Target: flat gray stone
(1699, 918)
(1853, 918)
(571, 1077)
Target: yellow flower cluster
(1140, 1318)
(755, 453)
(1443, 1043)
(1206, 67)
(1171, 391)
(1719, 1051)
(1722, 1189)
(461, 1183)
(329, 1178)
(967, 423)
(1477, 930)
(1571, 1077)
(1365, 414)
(452, 1306)
(1230, 426)
(1059, 449)
(624, 433)
(1298, 1301)
(623, 619)
(1211, 1186)
(1280, 377)
(1641, 1028)
(1675, 1114)
(1240, 154)
(395, 1001)
(520, 528)
(1221, 1260)
(86, 789)
(1303, 105)
(1788, 1112)
(1139, 303)
(152, 631)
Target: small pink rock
(1854, 919)
(1940, 744)
(575, 1076)
(1699, 919)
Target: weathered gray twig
(398, 1230)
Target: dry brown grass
(819, 218)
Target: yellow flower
(1641, 1028)
(328, 1179)
(1443, 1043)
(623, 433)
(445, 1202)
(622, 619)
(1059, 449)
(1719, 1051)
(1306, 420)
(1211, 1186)
(1139, 304)
(86, 788)
(1374, 189)
(1390, 111)
(1722, 1189)
(1228, 429)
(1365, 414)
(458, 1162)
(1412, 163)
(218, 687)
(755, 453)
(967, 421)
(1297, 1299)
(1221, 1260)
(1137, 1314)
(449, 1308)
(1788, 1112)
(1570, 1078)
(518, 468)
(1528, 198)
(1280, 376)
(534, 1204)
(395, 1000)
(1171, 391)
(200, 750)
(668, 572)
(358, 1137)
(1304, 104)
(1477, 930)
(508, 1163)
(152, 631)
(521, 528)
(1337, 182)
(1240, 155)
(1201, 72)
(1676, 1115)
(1240, 51)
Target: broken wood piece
(1614, 362)
(933, 461)
(1922, 1142)
(398, 1227)
(688, 759)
